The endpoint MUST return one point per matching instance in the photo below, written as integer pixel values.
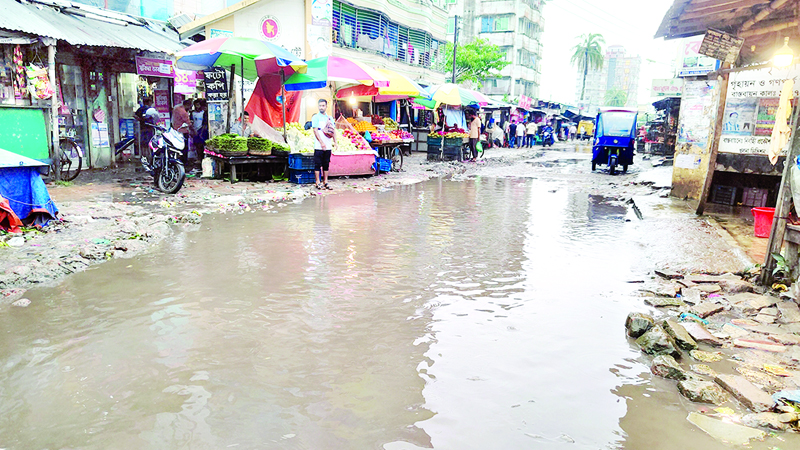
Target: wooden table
(234, 161)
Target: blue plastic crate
(384, 165)
(301, 176)
(301, 162)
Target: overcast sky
(630, 23)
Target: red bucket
(764, 218)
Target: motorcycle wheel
(170, 179)
(612, 169)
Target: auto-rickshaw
(614, 138)
(585, 129)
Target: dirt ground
(116, 213)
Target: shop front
(88, 57)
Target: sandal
(318, 186)
(327, 187)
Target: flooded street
(474, 313)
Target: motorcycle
(547, 137)
(164, 164)
(614, 139)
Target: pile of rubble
(702, 324)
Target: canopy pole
(230, 99)
(283, 101)
(242, 90)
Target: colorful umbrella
(339, 71)
(253, 57)
(451, 94)
(233, 51)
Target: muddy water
(485, 313)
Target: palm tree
(588, 53)
(616, 97)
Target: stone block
(699, 333)
(679, 335)
(665, 366)
(702, 392)
(706, 309)
(637, 324)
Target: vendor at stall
(242, 126)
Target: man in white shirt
(530, 129)
(521, 134)
(325, 140)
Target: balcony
(374, 33)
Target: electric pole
(455, 47)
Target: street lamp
(784, 56)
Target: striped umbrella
(339, 71)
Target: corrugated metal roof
(80, 25)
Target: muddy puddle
(481, 313)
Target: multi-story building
(620, 72)
(516, 27)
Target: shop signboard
(185, 81)
(720, 45)
(161, 103)
(525, 102)
(152, 67)
(690, 62)
(216, 84)
(668, 87)
(214, 33)
(750, 108)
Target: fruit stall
(351, 156)
(386, 137)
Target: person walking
(325, 140)
(530, 129)
(180, 117)
(573, 131)
(512, 134)
(474, 135)
(507, 133)
(521, 134)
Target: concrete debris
(656, 341)
(665, 366)
(679, 335)
(637, 324)
(752, 397)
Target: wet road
(482, 313)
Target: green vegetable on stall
(260, 145)
(232, 143)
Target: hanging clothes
(781, 132)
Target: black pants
(472, 143)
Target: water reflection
(483, 313)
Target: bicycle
(70, 155)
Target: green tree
(476, 61)
(588, 53)
(616, 97)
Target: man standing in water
(325, 139)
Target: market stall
(261, 157)
(662, 132)
(447, 139)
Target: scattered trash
(17, 241)
(690, 316)
(776, 370)
(705, 356)
(101, 241)
(22, 303)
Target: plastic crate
(301, 162)
(301, 176)
(434, 141)
(724, 195)
(383, 164)
(434, 155)
(452, 142)
(755, 197)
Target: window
(451, 25)
(492, 24)
(529, 28)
